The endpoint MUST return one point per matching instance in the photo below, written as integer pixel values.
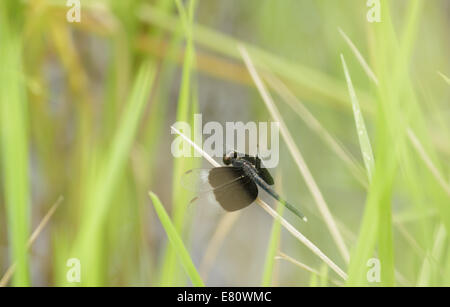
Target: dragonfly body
(254, 171)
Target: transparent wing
(226, 185)
(206, 179)
(196, 180)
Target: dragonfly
(235, 185)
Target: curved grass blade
(176, 242)
(364, 141)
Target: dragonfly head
(229, 157)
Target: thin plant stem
(296, 154)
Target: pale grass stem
(283, 256)
(359, 57)
(446, 79)
(222, 229)
(427, 160)
(298, 158)
(298, 107)
(274, 214)
(9, 273)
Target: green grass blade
(103, 182)
(372, 228)
(14, 142)
(369, 228)
(176, 242)
(274, 243)
(364, 141)
(324, 275)
(313, 280)
(430, 270)
(185, 108)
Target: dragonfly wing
(238, 194)
(226, 185)
(197, 179)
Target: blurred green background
(85, 115)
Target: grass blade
(104, 180)
(431, 262)
(364, 141)
(176, 242)
(427, 160)
(315, 125)
(223, 228)
(274, 243)
(446, 79)
(14, 141)
(295, 152)
(185, 109)
(359, 56)
(310, 78)
(323, 275)
(7, 276)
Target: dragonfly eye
(226, 160)
(229, 156)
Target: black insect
(235, 186)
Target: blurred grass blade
(359, 56)
(176, 242)
(7, 276)
(297, 156)
(14, 140)
(364, 141)
(185, 109)
(323, 274)
(283, 256)
(304, 76)
(430, 266)
(223, 228)
(298, 107)
(427, 160)
(446, 79)
(103, 182)
(274, 243)
(369, 228)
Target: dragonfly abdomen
(251, 172)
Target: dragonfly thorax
(247, 167)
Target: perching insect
(235, 186)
